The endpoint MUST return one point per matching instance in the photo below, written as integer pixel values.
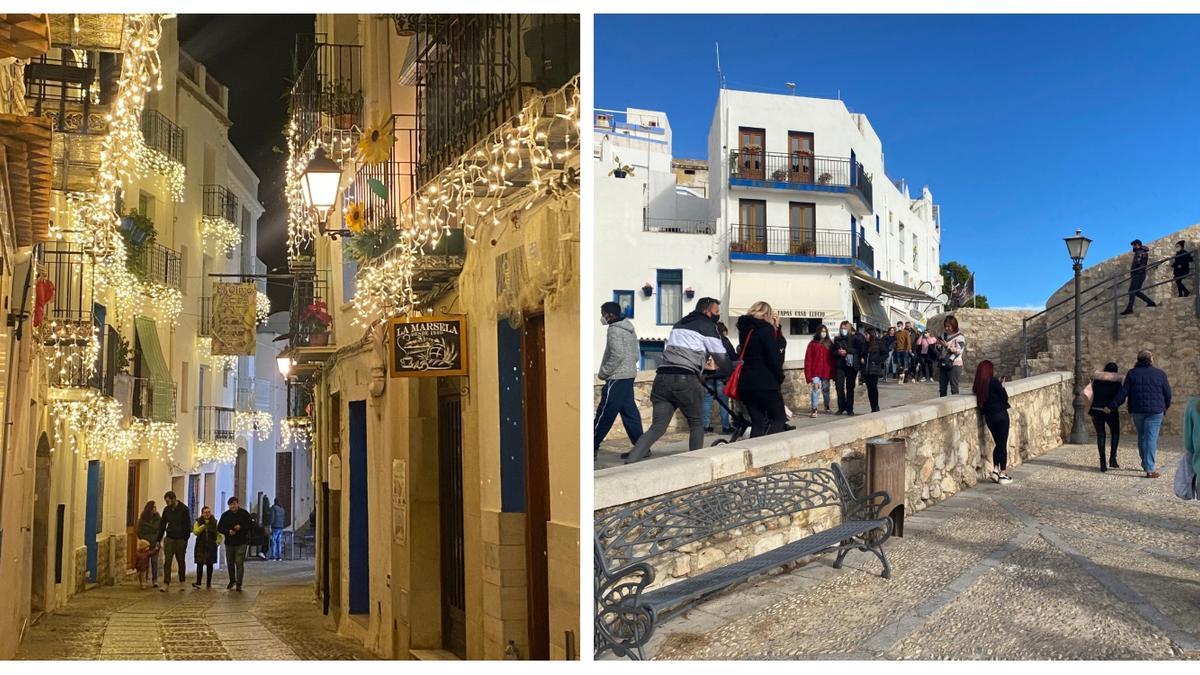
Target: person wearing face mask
(618, 368)
(849, 348)
(1181, 265)
(925, 351)
(904, 347)
(874, 366)
(760, 386)
(693, 350)
(818, 367)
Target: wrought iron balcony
(800, 245)
(219, 202)
(68, 328)
(154, 400)
(751, 167)
(163, 135)
(327, 88)
(156, 263)
(73, 91)
(397, 175)
(679, 226)
(311, 315)
(214, 423)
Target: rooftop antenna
(720, 75)
(792, 86)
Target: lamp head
(1077, 246)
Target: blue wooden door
(360, 544)
(91, 518)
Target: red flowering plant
(316, 319)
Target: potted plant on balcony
(138, 233)
(368, 243)
(620, 170)
(315, 322)
(343, 103)
(689, 292)
(825, 179)
(779, 175)
(647, 289)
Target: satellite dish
(916, 315)
(943, 299)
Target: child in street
(141, 561)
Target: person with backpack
(818, 367)
(760, 382)
(874, 366)
(951, 347)
(849, 348)
(1102, 390)
(992, 399)
(1181, 265)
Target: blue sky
(1024, 127)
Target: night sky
(252, 55)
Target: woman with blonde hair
(761, 379)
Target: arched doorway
(39, 573)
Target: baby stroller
(737, 420)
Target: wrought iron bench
(625, 540)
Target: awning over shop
(792, 296)
(870, 309)
(156, 365)
(890, 289)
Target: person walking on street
(1181, 265)
(718, 385)
(951, 348)
(761, 381)
(147, 531)
(205, 550)
(904, 348)
(174, 530)
(141, 561)
(1137, 269)
(618, 368)
(926, 349)
(818, 367)
(1103, 389)
(693, 349)
(849, 349)
(235, 525)
(889, 346)
(874, 366)
(278, 525)
(992, 399)
(1149, 395)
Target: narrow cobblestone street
(1064, 563)
(274, 618)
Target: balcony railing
(397, 175)
(158, 264)
(204, 324)
(163, 135)
(219, 202)
(214, 423)
(62, 89)
(678, 226)
(802, 170)
(310, 300)
(154, 400)
(68, 325)
(327, 88)
(798, 242)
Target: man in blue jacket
(1149, 395)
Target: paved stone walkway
(891, 395)
(274, 618)
(1063, 563)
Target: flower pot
(689, 294)
(343, 121)
(619, 174)
(318, 339)
(647, 291)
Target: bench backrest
(664, 524)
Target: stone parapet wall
(948, 449)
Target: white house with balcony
(657, 247)
(808, 221)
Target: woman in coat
(992, 399)
(818, 367)
(761, 380)
(207, 542)
(874, 366)
(1104, 387)
(147, 529)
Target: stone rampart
(948, 449)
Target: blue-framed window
(651, 354)
(670, 296)
(625, 300)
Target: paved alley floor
(274, 617)
(891, 395)
(1063, 563)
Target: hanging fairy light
(220, 361)
(158, 439)
(295, 432)
(154, 162)
(256, 422)
(222, 235)
(262, 307)
(218, 452)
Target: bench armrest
(870, 504)
(622, 623)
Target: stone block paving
(1064, 563)
(273, 618)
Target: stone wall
(992, 334)
(948, 449)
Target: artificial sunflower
(375, 146)
(356, 217)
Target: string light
(154, 162)
(262, 307)
(223, 235)
(219, 452)
(258, 422)
(295, 431)
(220, 361)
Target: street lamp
(320, 181)
(1077, 247)
(284, 363)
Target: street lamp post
(1077, 247)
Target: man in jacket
(849, 348)
(173, 531)
(693, 348)
(904, 347)
(1137, 269)
(1181, 265)
(278, 525)
(1149, 395)
(618, 368)
(235, 524)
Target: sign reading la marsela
(434, 346)
(233, 319)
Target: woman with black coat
(761, 380)
(1104, 387)
(992, 399)
(874, 366)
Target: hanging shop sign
(234, 319)
(433, 346)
